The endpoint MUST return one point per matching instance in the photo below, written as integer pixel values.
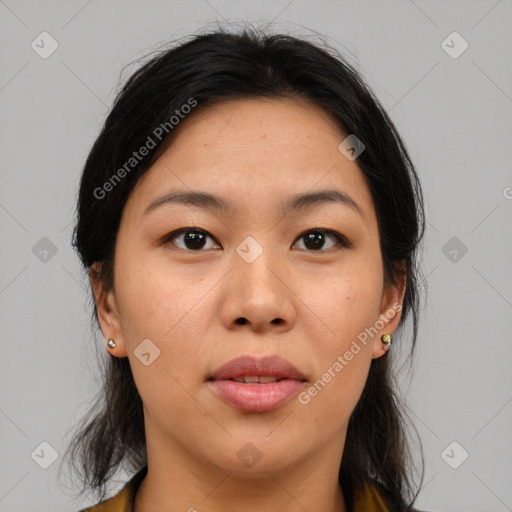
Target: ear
(108, 316)
(390, 312)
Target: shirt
(366, 499)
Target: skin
(255, 153)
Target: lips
(253, 384)
(248, 366)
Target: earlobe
(108, 317)
(389, 318)
(381, 345)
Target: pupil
(194, 240)
(314, 240)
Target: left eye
(316, 238)
(313, 240)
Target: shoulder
(123, 500)
(374, 497)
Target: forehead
(253, 151)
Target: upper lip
(247, 366)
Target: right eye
(192, 239)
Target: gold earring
(111, 343)
(386, 339)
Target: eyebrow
(210, 201)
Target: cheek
(159, 307)
(346, 300)
(165, 306)
(348, 306)
(151, 298)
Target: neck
(176, 481)
(230, 493)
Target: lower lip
(256, 397)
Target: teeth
(266, 380)
(255, 379)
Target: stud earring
(386, 339)
(111, 343)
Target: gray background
(455, 116)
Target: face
(196, 285)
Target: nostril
(241, 321)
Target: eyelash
(342, 242)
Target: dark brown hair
(222, 65)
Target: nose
(258, 296)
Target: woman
(250, 221)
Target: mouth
(253, 384)
(257, 379)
